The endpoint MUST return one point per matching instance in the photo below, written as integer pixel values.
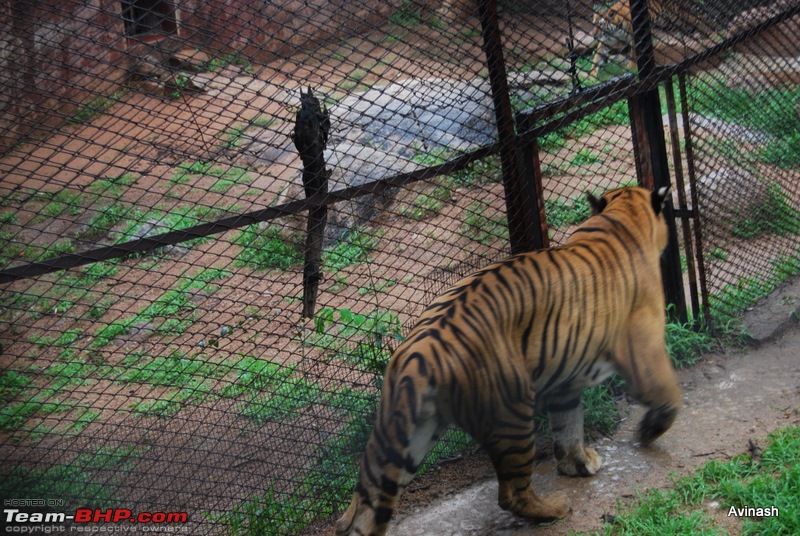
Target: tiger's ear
(659, 198)
(596, 204)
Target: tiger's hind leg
(395, 449)
(511, 449)
(566, 423)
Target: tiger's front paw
(580, 463)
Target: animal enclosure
(154, 217)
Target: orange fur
(541, 325)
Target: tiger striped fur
(540, 324)
(613, 31)
(612, 28)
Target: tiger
(612, 31)
(542, 324)
(612, 28)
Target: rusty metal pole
(650, 149)
(518, 192)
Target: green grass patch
(235, 135)
(113, 186)
(484, 229)
(354, 248)
(360, 339)
(100, 105)
(12, 383)
(426, 204)
(775, 217)
(561, 213)
(75, 482)
(728, 304)
(186, 172)
(60, 203)
(772, 481)
(686, 343)
(175, 303)
(265, 249)
(614, 114)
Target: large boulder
(728, 196)
(377, 134)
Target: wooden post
(311, 129)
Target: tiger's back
(540, 324)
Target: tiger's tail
(407, 427)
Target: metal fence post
(518, 192)
(650, 151)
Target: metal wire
(153, 217)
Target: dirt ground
(729, 399)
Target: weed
(483, 171)
(482, 228)
(218, 63)
(272, 513)
(265, 249)
(75, 482)
(560, 213)
(614, 114)
(426, 204)
(235, 135)
(12, 383)
(354, 248)
(175, 370)
(103, 221)
(408, 15)
(357, 338)
(585, 157)
(113, 186)
(100, 105)
(600, 409)
(61, 203)
(184, 172)
(382, 286)
(173, 303)
(727, 304)
(718, 254)
(736, 483)
(686, 342)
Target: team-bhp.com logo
(88, 519)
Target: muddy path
(729, 399)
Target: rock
(428, 113)
(189, 59)
(774, 41)
(385, 128)
(351, 165)
(727, 196)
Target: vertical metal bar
(518, 193)
(651, 154)
(687, 217)
(532, 174)
(698, 232)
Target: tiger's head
(645, 210)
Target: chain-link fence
(218, 218)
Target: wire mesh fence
(154, 215)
